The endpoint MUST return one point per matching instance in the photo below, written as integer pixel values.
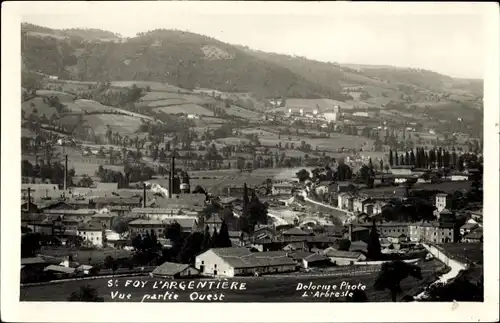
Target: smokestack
(29, 199)
(65, 171)
(144, 195)
(172, 173)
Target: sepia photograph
(208, 152)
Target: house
(228, 201)
(175, 270)
(475, 236)
(316, 260)
(322, 188)
(32, 269)
(467, 228)
(477, 215)
(111, 187)
(237, 238)
(387, 228)
(342, 187)
(295, 246)
(396, 237)
(29, 207)
(459, 177)
(109, 201)
(401, 170)
(86, 270)
(70, 213)
(214, 222)
(357, 233)
(142, 226)
(330, 116)
(359, 246)
(446, 216)
(298, 255)
(344, 258)
(155, 213)
(282, 189)
(264, 233)
(295, 232)
(368, 208)
(105, 219)
(434, 232)
(443, 201)
(39, 223)
(59, 271)
(346, 201)
(92, 235)
(230, 262)
(359, 203)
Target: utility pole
(65, 172)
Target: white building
(282, 189)
(230, 262)
(442, 201)
(91, 235)
(330, 116)
(361, 114)
(343, 258)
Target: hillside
(179, 58)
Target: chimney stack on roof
(172, 173)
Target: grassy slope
(264, 289)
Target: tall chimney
(172, 173)
(65, 171)
(144, 195)
(29, 199)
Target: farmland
(82, 256)
(465, 252)
(189, 108)
(264, 289)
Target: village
(303, 226)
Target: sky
(448, 42)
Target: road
(455, 268)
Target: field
(123, 124)
(63, 97)
(82, 168)
(465, 252)
(447, 187)
(154, 86)
(82, 256)
(242, 113)
(41, 107)
(333, 143)
(262, 289)
(189, 108)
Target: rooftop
(32, 261)
(60, 269)
(295, 232)
(169, 269)
(342, 254)
(244, 258)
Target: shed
(175, 270)
(343, 258)
(316, 260)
